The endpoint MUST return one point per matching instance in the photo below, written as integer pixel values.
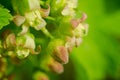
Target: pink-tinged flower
(56, 67)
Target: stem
(47, 33)
(50, 18)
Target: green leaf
(5, 17)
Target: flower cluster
(47, 28)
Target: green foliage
(5, 17)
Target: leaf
(5, 17)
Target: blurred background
(98, 57)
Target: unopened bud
(40, 76)
(10, 40)
(56, 67)
(61, 54)
(19, 20)
(45, 12)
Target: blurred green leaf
(98, 57)
(5, 17)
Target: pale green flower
(22, 53)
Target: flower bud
(45, 12)
(40, 76)
(56, 67)
(61, 54)
(48, 63)
(58, 51)
(10, 41)
(19, 20)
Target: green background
(98, 57)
